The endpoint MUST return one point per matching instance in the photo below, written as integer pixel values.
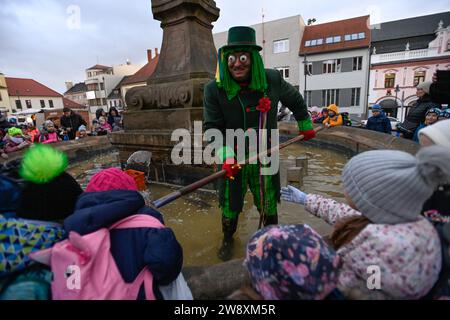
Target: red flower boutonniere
(264, 105)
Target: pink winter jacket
(407, 255)
(50, 138)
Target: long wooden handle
(219, 174)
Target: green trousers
(251, 179)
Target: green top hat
(241, 37)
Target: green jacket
(221, 113)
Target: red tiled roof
(29, 88)
(336, 28)
(142, 74)
(99, 66)
(72, 104)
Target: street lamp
(311, 21)
(397, 90)
(306, 71)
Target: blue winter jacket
(380, 124)
(132, 249)
(416, 134)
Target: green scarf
(225, 80)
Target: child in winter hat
(438, 133)
(50, 193)
(112, 196)
(291, 262)
(437, 207)
(382, 225)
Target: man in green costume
(239, 99)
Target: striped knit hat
(390, 186)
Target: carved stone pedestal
(173, 98)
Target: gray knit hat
(425, 86)
(390, 186)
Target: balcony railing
(404, 55)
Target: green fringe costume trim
(250, 179)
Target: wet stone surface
(196, 218)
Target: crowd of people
(71, 126)
(432, 106)
(390, 240)
(405, 236)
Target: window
(330, 96)
(28, 103)
(18, 104)
(93, 87)
(115, 103)
(1, 96)
(319, 42)
(357, 63)
(308, 98)
(102, 86)
(419, 77)
(50, 103)
(389, 80)
(284, 71)
(313, 42)
(355, 36)
(356, 96)
(307, 43)
(308, 69)
(332, 66)
(281, 46)
(334, 39)
(448, 46)
(42, 103)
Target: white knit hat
(439, 133)
(391, 186)
(425, 86)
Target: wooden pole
(219, 174)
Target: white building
(335, 58)
(101, 81)
(280, 40)
(4, 97)
(29, 94)
(405, 53)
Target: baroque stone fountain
(173, 97)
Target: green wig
(42, 163)
(225, 80)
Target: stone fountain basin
(220, 280)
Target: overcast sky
(41, 39)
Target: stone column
(173, 97)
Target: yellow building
(4, 97)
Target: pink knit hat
(111, 179)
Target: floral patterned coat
(407, 255)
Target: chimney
(156, 52)
(149, 55)
(69, 85)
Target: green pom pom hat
(42, 163)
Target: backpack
(84, 269)
(346, 119)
